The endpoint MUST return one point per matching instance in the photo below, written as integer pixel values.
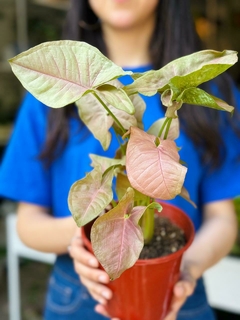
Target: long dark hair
(174, 36)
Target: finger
(181, 291)
(171, 316)
(98, 298)
(101, 309)
(184, 288)
(78, 252)
(99, 291)
(90, 273)
(178, 300)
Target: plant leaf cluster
(147, 164)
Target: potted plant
(119, 199)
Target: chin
(122, 21)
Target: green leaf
(188, 71)
(59, 72)
(89, 196)
(200, 97)
(117, 238)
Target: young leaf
(59, 72)
(154, 168)
(116, 237)
(89, 196)
(172, 105)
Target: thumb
(186, 285)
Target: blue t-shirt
(23, 177)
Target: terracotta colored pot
(144, 291)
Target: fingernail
(93, 262)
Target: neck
(128, 48)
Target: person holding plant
(138, 36)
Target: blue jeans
(68, 299)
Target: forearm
(41, 231)
(214, 240)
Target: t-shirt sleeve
(224, 183)
(23, 177)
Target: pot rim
(178, 253)
(169, 257)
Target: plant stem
(120, 144)
(147, 224)
(110, 112)
(166, 124)
(167, 128)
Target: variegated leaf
(116, 237)
(153, 166)
(89, 196)
(59, 72)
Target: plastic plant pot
(144, 291)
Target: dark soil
(168, 238)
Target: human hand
(182, 289)
(86, 265)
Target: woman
(137, 35)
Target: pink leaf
(154, 168)
(116, 237)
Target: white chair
(223, 285)
(16, 250)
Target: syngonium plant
(147, 164)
